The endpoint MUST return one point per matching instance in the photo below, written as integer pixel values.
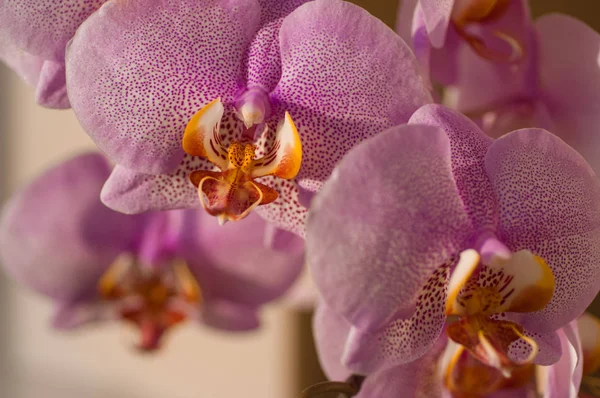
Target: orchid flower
(449, 371)
(153, 270)
(501, 236)
(256, 90)
(33, 38)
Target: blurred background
(35, 361)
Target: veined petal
(368, 80)
(285, 156)
(176, 58)
(548, 200)
(43, 27)
(57, 237)
(414, 224)
(201, 136)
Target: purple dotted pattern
(549, 203)
(468, 146)
(139, 70)
(404, 340)
(43, 27)
(342, 84)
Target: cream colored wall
(37, 362)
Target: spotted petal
(56, 236)
(372, 252)
(549, 200)
(340, 84)
(139, 70)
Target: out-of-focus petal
(43, 27)
(56, 236)
(389, 216)
(28, 67)
(331, 332)
(404, 19)
(341, 84)
(574, 103)
(227, 315)
(436, 14)
(549, 200)
(468, 146)
(51, 90)
(234, 263)
(562, 380)
(589, 332)
(503, 81)
(137, 71)
(418, 379)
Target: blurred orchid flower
(153, 270)
(501, 236)
(258, 90)
(447, 370)
(33, 39)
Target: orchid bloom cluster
(439, 182)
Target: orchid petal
(562, 380)
(331, 332)
(227, 315)
(412, 225)
(468, 146)
(589, 332)
(548, 203)
(56, 236)
(401, 340)
(233, 263)
(43, 27)
(337, 79)
(419, 379)
(51, 90)
(27, 66)
(437, 15)
(176, 58)
(574, 104)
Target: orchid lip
(502, 282)
(153, 301)
(232, 193)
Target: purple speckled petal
(436, 14)
(402, 340)
(137, 71)
(418, 379)
(548, 203)
(389, 216)
(574, 103)
(468, 146)
(226, 315)
(43, 27)
(341, 84)
(563, 379)
(51, 90)
(55, 235)
(331, 332)
(234, 263)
